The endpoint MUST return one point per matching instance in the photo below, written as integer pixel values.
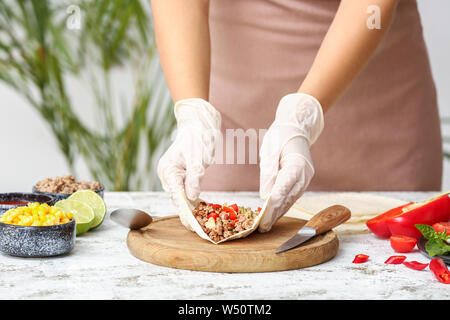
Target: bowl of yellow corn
(36, 230)
(17, 199)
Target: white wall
(29, 152)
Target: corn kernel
(35, 214)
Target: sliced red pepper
(436, 210)
(213, 215)
(395, 260)
(378, 225)
(234, 207)
(361, 258)
(415, 265)
(440, 270)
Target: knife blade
(323, 221)
(131, 218)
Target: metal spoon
(133, 219)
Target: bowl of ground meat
(220, 222)
(61, 188)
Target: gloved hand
(286, 167)
(184, 163)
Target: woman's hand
(183, 165)
(286, 164)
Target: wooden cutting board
(166, 242)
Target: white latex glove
(286, 167)
(183, 165)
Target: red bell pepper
(428, 212)
(395, 260)
(415, 265)
(361, 258)
(378, 224)
(440, 270)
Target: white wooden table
(100, 267)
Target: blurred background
(82, 92)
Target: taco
(222, 221)
(218, 223)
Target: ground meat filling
(66, 185)
(221, 221)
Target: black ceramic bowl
(36, 242)
(421, 245)
(22, 197)
(62, 196)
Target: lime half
(83, 213)
(93, 200)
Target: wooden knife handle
(329, 218)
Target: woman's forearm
(182, 38)
(346, 49)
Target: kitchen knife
(131, 218)
(324, 221)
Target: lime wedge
(83, 214)
(93, 200)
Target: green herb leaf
(435, 244)
(427, 231)
(437, 247)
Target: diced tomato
(415, 265)
(361, 258)
(215, 206)
(234, 207)
(259, 208)
(227, 210)
(442, 227)
(232, 215)
(395, 260)
(403, 244)
(213, 215)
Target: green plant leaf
(437, 247)
(38, 57)
(427, 231)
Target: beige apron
(382, 134)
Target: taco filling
(222, 221)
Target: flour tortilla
(186, 214)
(363, 206)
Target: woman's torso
(382, 134)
